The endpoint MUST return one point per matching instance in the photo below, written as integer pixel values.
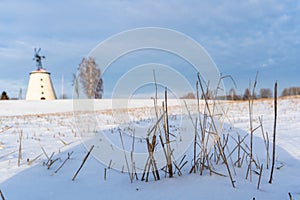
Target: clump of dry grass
(212, 146)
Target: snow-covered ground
(50, 125)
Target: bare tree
(63, 96)
(99, 89)
(265, 93)
(75, 84)
(189, 95)
(233, 95)
(294, 91)
(247, 94)
(285, 92)
(208, 95)
(90, 78)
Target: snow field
(53, 128)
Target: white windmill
(40, 85)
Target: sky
(241, 37)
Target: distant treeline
(263, 94)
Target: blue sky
(242, 37)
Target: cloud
(239, 35)
(268, 63)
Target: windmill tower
(40, 85)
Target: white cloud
(237, 34)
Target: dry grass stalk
(5, 129)
(217, 173)
(203, 146)
(45, 152)
(64, 143)
(167, 136)
(84, 159)
(195, 145)
(155, 99)
(260, 174)
(153, 144)
(205, 127)
(238, 147)
(148, 171)
(195, 139)
(290, 196)
(279, 167)
(274, 132)
(202, 129)
(175, 164)
(145, 169)
(49, 159)
(251, 101)
(133, 170)
(127, 165)
(248, 170)
(230, 158)
(177, 168)
(152, 163)
(204, 157)
(29, 162)
(2, 195)
(239, 152)
(163, 143)
(52, 162)
(69, 155)
(266, 141)
(5, 155)
(246, 150)
(163, 146)
(104, 174)
(181, 163)
(218, 142)
(20, 148)
(243, 158)
(109, 165)
(156, 124)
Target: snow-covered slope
(50, 126)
